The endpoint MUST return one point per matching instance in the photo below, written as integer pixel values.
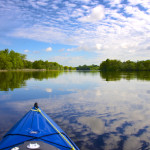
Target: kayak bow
(36, 130)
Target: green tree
(128, 66)
(5, 59)
(39, 64)
(17, 60)
(27, 64)
(111, 65)
(66, 68)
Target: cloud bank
(110, 29)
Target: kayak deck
(36, 125)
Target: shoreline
(27, 70)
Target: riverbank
(24, 70)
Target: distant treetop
(117, 65)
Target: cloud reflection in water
(104, 115)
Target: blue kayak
(36, 130)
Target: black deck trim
(34, 136)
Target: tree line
(85, 67)
(13, 60)
(117, 65)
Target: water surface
(97, 110)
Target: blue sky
(76, 32)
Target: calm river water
(109, 111)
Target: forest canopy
(13, 60)
(117, 65)
(85, 67)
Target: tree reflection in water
(114, 76)
(17, 79)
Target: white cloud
(89, 47)
(97, 14)
(75, 60)
(42, 2)
(98, 46)
(77, 13)
(124, 45)
(144, 3)
(69, 5)
(5, 97)
(98, 92)
(113, 2)
(49, 49)
(88, 28)
(33, 3)
(36, 52)
(132, 142)
(40, 33)
(26, 51)
(95, 124)
(85, 7)
(49, 90)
